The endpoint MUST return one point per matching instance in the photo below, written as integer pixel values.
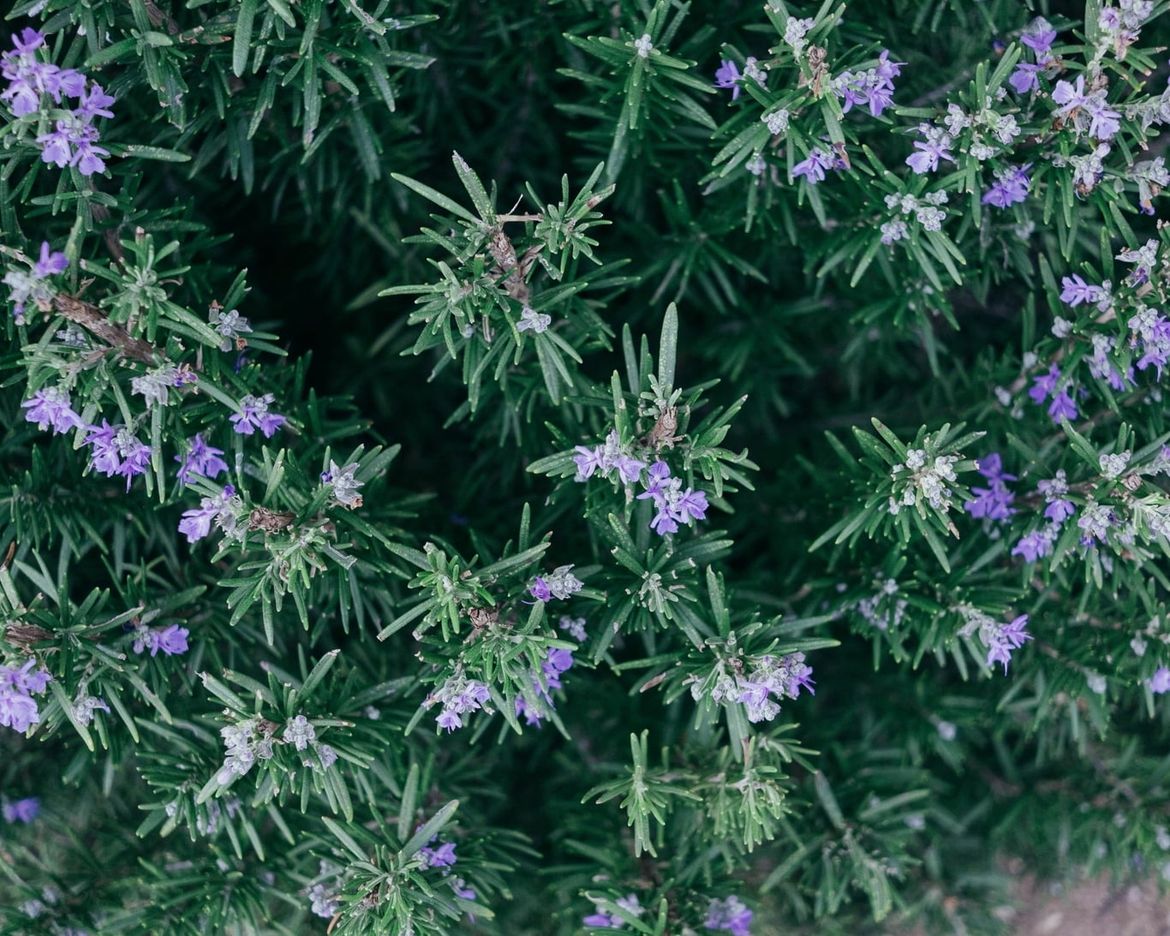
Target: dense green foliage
(470, 238)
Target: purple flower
(588, 460)
(1011, 187)
(1044, 384)
(196, 522)
(993, 503)
(629, 469)
(254, 415)
(22, 810)
(1040, 42)
(1003, 639)
(559, 584)
(1074, 291)
(873, 88)
(1062, 406)
(1059, 510)
(441, 857)
(18, 708)
(50, 262)
(1160, 681)
(693, 504)
(50, 408)
(935, 146)
(1026, 78)
(727, 76)
(1033, 546)
(117, 451)
(730, 915)
(201, 459)
(813, 167)
(171, 640)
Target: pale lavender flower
(1003, 639)
(1011, 187)
(558, 584)
(873, 88)
(727, 76)
(196, 522)
(343, 485)
(299, 732)
(170, 640)
(254, 415)
(730, 914)
(18, 708)
(50, 408)
(50, 262)
(1063, 406)
(936, 145)
(21, 810)
(458, 696)
(201, 460)
(1159, 683)
(230, 325)
(323, 902)
(1034, 545)
(117, 451)
(441, 857)
(814, 166)
(574, 626)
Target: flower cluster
(231, 326)
(925, 211)
(600, 920)
(1159, 683)
(728, 75)
(819, 161)
(244, 743)
(610, 459)
(536, 708)
(558, 584)
(171, 640)
(343, 485)
(1045, 386)
(999, 639)
(324, 892)
(40, 90)
(673, 504)
(984, 134)
(85, 707)
(441, 857)
(1086, 111)
(1039, 38)
(254, 415)
(883, 610)
(116, 450)
(51, 408)
(458, 696)
(154, 386)
(923, 478)
(223, 510)
(34, 285)
(1036, 544)
(1011, 187)
(872, 88)
(18, 708)
(780, 677)
(731, 915)
(1120, 26)
(575, 627)
(300, 733)
(995, 501)
(200, 460)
